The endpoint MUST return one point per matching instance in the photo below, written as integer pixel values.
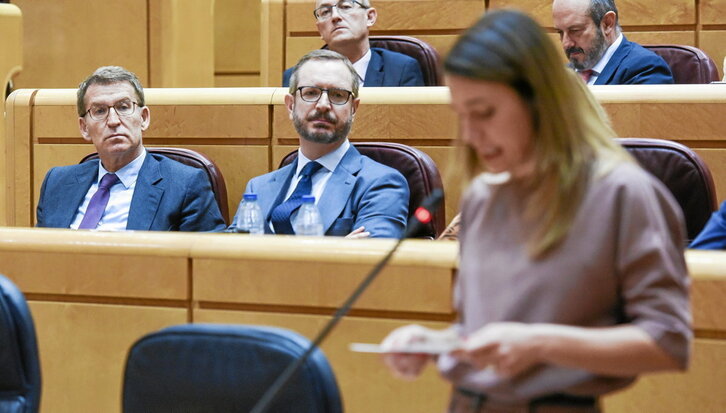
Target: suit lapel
(147, 195)
(609, 72)
(73, 193)
(339, 188)
(374, 73)
(277, 183)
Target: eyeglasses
(124, 107)
(345, 7)
(335, 96)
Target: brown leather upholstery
(197, 160)
(688, 64)
(418, 168)
(426, 55)
(683, 172)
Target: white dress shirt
(361, 66)
(116, 215)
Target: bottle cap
(250, 197)
(308, 199)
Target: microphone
(421, 216)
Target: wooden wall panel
(715, 158)
(714, 44)
(365, 384)
(237, 29)
(712, 12)
(66, 41)
(665, 37)
(83, 350)
(701, 390)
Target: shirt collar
(600, 66)
(128, 174)
(361, 66)
(329, 161)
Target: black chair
(419, 170)
(689, 65)
(197, 368)
(196, 160)
(683, 172)
(20, 383)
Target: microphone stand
(422, 215)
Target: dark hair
(598, 9)
(106, 75)
(324, 54)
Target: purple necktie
(98, 203)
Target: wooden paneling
(701, 390)
(712, 42)
(83, 350)
(66, 41)
(656, 12)
(233, 80)
(715, 158)
(670, 37)
(237, 36)
(712, 12)
(365, 384)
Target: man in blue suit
(596, 48)
(128, 189)
(344, 26)
(356, 196)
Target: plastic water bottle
(308, 220)
(249, 216)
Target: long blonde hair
(573, 140)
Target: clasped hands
(507, 347)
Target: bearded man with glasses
(126, 188)
(356, 196)
(344, 26)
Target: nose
(335, 14)
(324, 102)
(113, 117)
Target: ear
(290, 104)
(607, 25)
(145, 118)
(371, 16)
(356, 101)
(83, 127)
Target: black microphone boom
(421, 216)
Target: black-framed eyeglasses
(336, 96)
(123, 108)
(346, 7)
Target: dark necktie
(280, 216)
(98, 203)
(585, 75)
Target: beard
(338, 134)
(592, 55)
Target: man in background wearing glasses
(129, 189)
(356, 196)
(343, 26)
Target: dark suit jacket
(361, 191)
(633, 64)
(169, 196)
(713, 235)
(386, 68)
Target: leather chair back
(196, 160)
(683, 172)
(20, 383)
(426, 55)
(417, 167)
(688, 64)
(197, 368)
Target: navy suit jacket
(386, 68)
(633, 64)
(361, 191)
(169, 196)
(713, 235)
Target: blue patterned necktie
(98, 203)
(280, 216)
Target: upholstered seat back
(417, 167)
(426, 55)
(197, 368)
(196, 160)
(683, 172)
(20, 383)
(688, 64)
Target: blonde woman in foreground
(572, 279)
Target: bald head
(586, 28)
